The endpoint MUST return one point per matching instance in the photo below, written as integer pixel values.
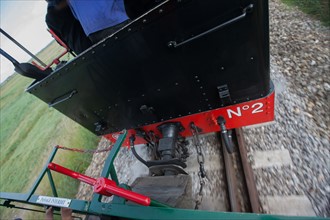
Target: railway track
(243, 195)
(229, 185)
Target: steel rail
(231, 178)
(248, 173)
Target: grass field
(28, 131)
(320, 9)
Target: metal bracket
(224, 94)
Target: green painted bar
(41, 175)
(145, 213)
(149, 212)
(113, 174)
(14, 196)
(158, 204)
(51, 182)
(109, 164)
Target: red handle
(103, 185)
(70, 173)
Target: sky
(24, 20)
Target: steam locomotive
(182, 66)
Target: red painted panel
(243, 114)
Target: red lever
(70, 173)
(103, 185)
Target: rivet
(196, 77)
(93, 51)
(144, 20)
(160, 10)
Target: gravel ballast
(299, 48)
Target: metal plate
(53, 201)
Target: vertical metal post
(52, 184)
(108, 165)
(113, 174)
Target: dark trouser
(100, 35)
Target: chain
(200, 160)
(85, 151)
